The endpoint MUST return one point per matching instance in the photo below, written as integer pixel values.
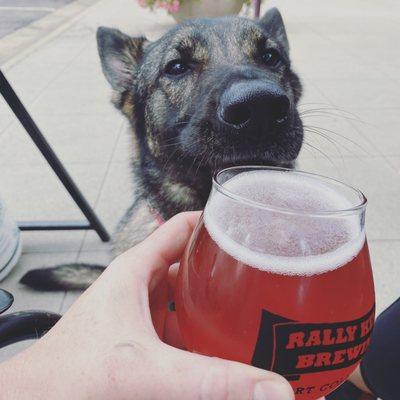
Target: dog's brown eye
(176, 67)
(272, 58)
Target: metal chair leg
(257, 7)
(36, 135)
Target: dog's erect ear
(273, 23)
(119, 55)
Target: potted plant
(186, 9)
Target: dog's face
(214, 92)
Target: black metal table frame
(257, 7)
(92, 221)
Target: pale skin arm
(106, 346)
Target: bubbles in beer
(284, 236)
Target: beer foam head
(289, 234)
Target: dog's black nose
(253, 102)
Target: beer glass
(277, 275)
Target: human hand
(106, 345)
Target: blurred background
(345, 51)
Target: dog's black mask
(210, 93)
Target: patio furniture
(257, 7)
(92, 222)
(6, 299)
(23, 325)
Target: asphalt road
(15, 14)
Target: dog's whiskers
(330, 113)
(199, 164)
(327, 138)
(181, 123)
(171, 142)
(320, 151)
(194, 161)
(320, 130)
(177, 144)
(170, 145)
(337, 144)
(325, 107)
(170, 158)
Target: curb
(17, 45)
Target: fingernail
(271, 390)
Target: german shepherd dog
(209, 94)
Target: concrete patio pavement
(15, 15)
(343, 50)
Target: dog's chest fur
(159, 196)
(138, 223)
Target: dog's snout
(253, 102)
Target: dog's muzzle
(253, 103)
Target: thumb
(192, 376)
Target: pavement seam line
(34, 9)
